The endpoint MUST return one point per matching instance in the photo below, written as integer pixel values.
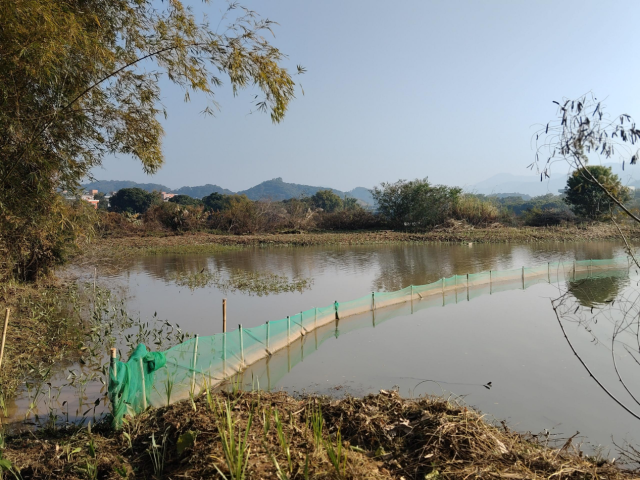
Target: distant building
(166, 196)
(89, 198)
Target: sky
(449, 90)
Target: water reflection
(591, 292)
(395, 266)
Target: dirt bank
(379, 436)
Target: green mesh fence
(161, 378)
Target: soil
(378, 436)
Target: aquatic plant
(250, 283)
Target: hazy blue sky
(444, 89)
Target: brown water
(511, 339)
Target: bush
(181, 218)
(352, 219)
(415, 205)
(186, 200)
(475, 211)
(30, 248)
(546, 218)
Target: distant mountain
(106, 186)
(362, 194)
(531, 184)
(202, 191)
(277, 189)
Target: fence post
(288, 329)
(301, 327)
(268, 329)
(224, 354)
(490, 284)
(411, 298)
(574, 270)
(315, 320)
(113, 370)
(241, 344)
(224, 315)
(549, 271)
(193, 366)
(467, 287)
(373, 300)
(144, 387)
(523, 278)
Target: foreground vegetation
(272, 435)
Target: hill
(106, 186)
(277, 189)
(202, 191)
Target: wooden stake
(467, 287)
(224, 315)
(288, 329)
(241, 344)
(113, 363)
(490, 285)
(268, 331)
(144, 387)
(4, 334)
(193, 368)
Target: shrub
(176, 217)
(415, 205)
(475, 211)
(352, 219)
(546, 218)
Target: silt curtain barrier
(185, 370)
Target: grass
(378, 436)
(456, 232)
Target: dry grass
(453, 232)
(379, 436)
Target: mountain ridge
(275, 189)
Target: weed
(337, 456)
(236, 450)
(282, 439)
(317, 423)
(158, 454)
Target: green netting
(161, 378)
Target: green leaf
(186, 440)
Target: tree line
(415, 205)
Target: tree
(586, 198)
(581, 132)
(186, 200)
(326, 200)
(415, 204)
(80, 79)
(214, 202)
(134, 200)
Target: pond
(502, 353)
